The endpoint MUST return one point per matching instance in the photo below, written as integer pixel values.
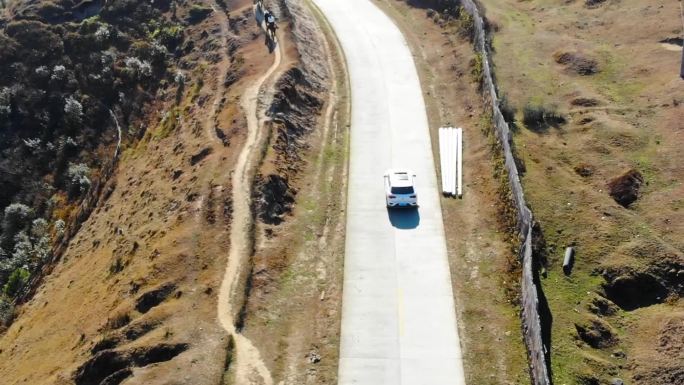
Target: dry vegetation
(606, 179)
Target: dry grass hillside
(135, 287)
(598, 103)
(133, 299)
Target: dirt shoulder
(617, 91)
(479, 253)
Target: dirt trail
(118, 129)
(248, 359)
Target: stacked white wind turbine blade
(442, 160)
(451, 160)
(459, 161)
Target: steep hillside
(72, 75)
(593, 88)
(132, 294)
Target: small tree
(60, 227)
(16, 282)
(23, 251)
(5, 100)
(73, 112)
(78, 180)
(40, 239)
(16, 218)
(59, 73)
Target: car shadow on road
(404, 219)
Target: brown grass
(627, 115)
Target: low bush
(477, 69)
(6, 312)
(507, 110)
(540, 118)
(78, 179)
(466, 24)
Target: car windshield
(402, 190)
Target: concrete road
(398, 317)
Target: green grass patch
(612, 81)
(168, 124)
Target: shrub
(507, 110)
(139, 68)
(540, 118)
(78, 179)
(16, 218)
(59, 73)
(21, 255)
(198, 13)
(6, 312)
(33, 144)
(577, 63)
(584, 170)
(16, 282)
(73, 112)
(40, 239)
(477, 68)
(60, 227)
(169, 36)
(5, 102)
(39, 228)
(103, 33)
(466, 24)
(625, 188)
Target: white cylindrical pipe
(568, 260)
(442, 160)
(459, 165)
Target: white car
(399, 188)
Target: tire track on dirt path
(247, 357)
